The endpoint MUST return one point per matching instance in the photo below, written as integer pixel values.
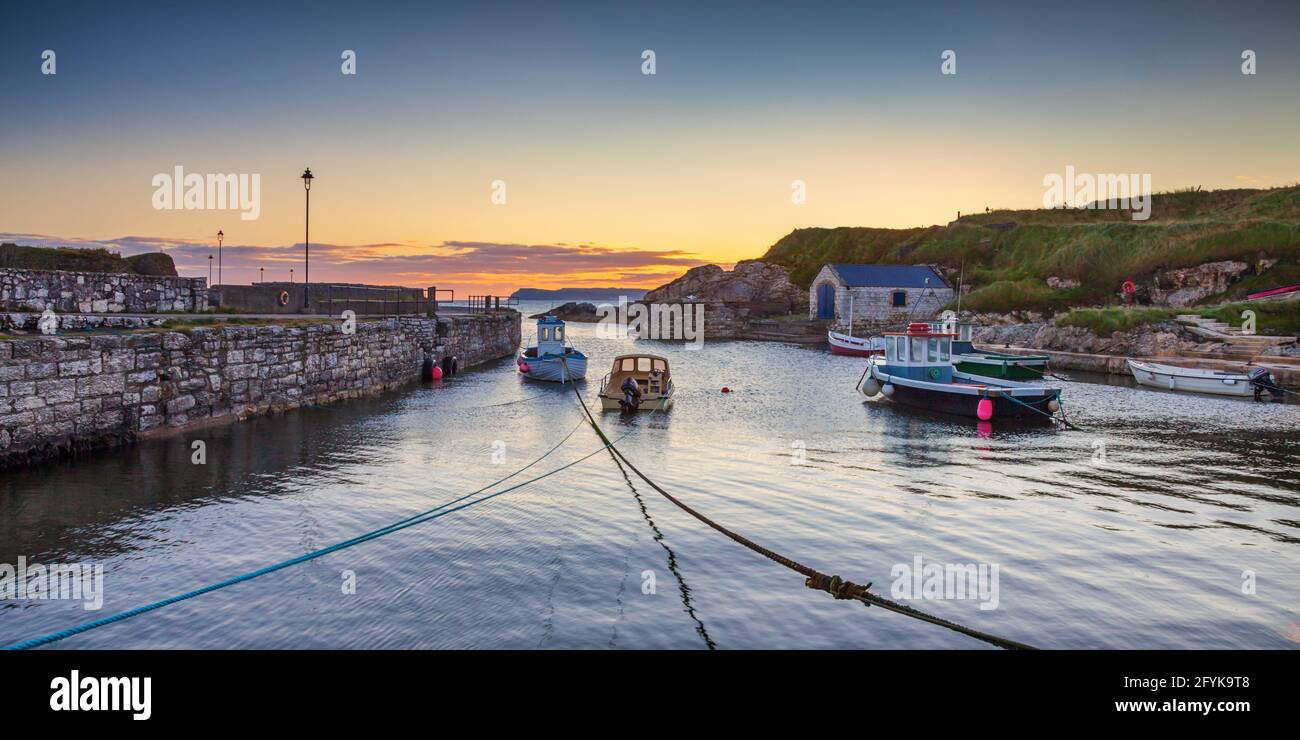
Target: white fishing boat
(1197, 380)
(844, 344)
(551, 359)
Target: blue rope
(434, 513)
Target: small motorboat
(551, 359)
(846, 344)
(916, 370)
(653, 379)
(1197, 380)
(967, 359)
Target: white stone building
(878, 293)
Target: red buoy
(984, 409)
(523, 367)
(725, 389)
(437, 373)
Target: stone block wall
(63, 394)
(99, 292)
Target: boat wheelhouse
(967, 359)
(916, 370)
(551, 358)
(653, 378)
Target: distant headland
(566, 294)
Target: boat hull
(1171, 378)
(843, 344)
(611, 403)
(1010, 367)
(1030, 404)
(550, 368)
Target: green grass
(1007, 256)
(1106, 321)
(1272, 318)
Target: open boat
(844, 344)
(967, 359)
(917, 371)
(551, 359)
(652, 376)
(1197, 380)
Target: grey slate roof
(888, 276)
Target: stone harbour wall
(99, 292)
(60, 395)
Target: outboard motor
(1262, 380)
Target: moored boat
(916, 370)
(551, 359)
(845, 344)
(1000, 365)
(653, 379)
(1198, 380)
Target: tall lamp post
(209, 271)
(261, 274)
(220, 236)
(306, 245)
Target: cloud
(448, 263)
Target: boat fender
(436, 373)
(523, 367)
(887, 389)
(871, 386)
(1053, 405)
(984, 410)
(426, 369)
(1171, 382)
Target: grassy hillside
(84, 260)
(1010, 254)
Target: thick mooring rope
(814, 578)
(424, 516)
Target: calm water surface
(1146, 549)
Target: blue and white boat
(551, 359)
(917, 371)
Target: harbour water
(1171, 521)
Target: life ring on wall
(1128, 287)
(284, 298)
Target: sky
(610, 177)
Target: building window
(899, 299)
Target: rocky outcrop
(1151, 340)
(765, 287)
(1190, 285)
(572, 311)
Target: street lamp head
(220, 235)
(307, 178)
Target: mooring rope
(814, 578)
(410, 521)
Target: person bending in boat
(631, 395)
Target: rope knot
(836, 586)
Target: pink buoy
(437, 373)
(984, 410)
(523, 367)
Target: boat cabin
(650, 371)
(550, 336)
(962, 343)
(920, 353)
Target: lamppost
(291, 276)
(220, 236)
(261, 274)
(209, 271)
(306, 241)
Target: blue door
(826, 301)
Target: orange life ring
(284, 298)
